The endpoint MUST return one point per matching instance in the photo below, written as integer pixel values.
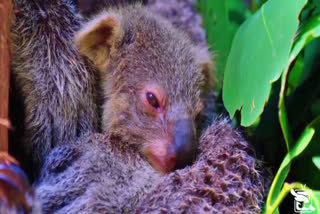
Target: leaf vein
(267, 30)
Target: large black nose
(184, 145)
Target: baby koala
(152, 75)
(152, 80)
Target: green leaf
(310, 10)
(236, 5)
(294, 78)
(309, 32)
(315, 195)
(316, 161)
(304, 169)
(219, 33)
(285, 126)
(261, 2)
(311, 56)
(238, 12)
(283, 170)
(259, 54)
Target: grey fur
(182, 14)
(224, 179)
(98, 175)
(151, 51)
(95, 175)
(56, 83)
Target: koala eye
(152, 100)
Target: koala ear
(208, 70)
(207, 67)
(98, 37)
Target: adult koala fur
(57, 85)
(119, 172)
(99, 175)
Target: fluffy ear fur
(204, 58)
(97, 39)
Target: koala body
(99, 175)
(94, 175)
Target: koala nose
(184, 146)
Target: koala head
(152, 77)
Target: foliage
(268, 57)
(219, 22)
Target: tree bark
(5, 21)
